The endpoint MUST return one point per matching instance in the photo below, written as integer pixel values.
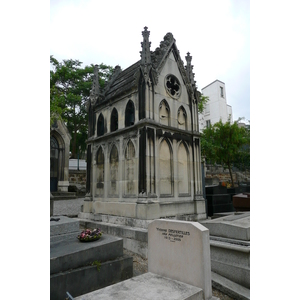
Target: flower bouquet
(88, 235)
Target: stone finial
(96, 86)
(189, 68)
(95, 92)
(145, 53)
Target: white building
(216, 108)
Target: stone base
(148, 211)
(148, 286)
(86, 279)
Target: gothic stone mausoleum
(143, 157)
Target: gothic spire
(145, 53)
(95, 92)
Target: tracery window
(172, 86)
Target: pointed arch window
(129, 114)
(114, 120)
(166, 180)
(130, 185)
(114, 170)
(100, 172)
(181, 118)
(164, 112)
(100, 125)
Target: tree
(202, 103)
(227, 144)
(70, 86)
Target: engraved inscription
(173, 235)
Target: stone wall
(77, 181)
(215, 174)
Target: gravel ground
(140, 266)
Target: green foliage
(202, 103)
(227, 144)
(97, 263)
(70, 86)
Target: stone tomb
(178, 265)
(72, 263)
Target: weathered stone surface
(64, 225)
(148, 286)
(180, 250)
(70, 254)
(235, 226)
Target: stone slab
(148, 286)
(235, 226)
(87, 279)
(63, 226)
(70, 254)
(180, 250)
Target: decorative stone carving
(172, 86)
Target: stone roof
(126, 80)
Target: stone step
(71, 253)
(148, 286)
(229, 287)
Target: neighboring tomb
(79, 267)
(59, 157)
(143, 150)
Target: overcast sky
(216, 33)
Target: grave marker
(180, 250)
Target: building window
(100, 125)
(129, 114)
(114, 120)
(221, 92)
(208, 123)
(207, 108)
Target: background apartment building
(216, 108)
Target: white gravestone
(180, 250)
